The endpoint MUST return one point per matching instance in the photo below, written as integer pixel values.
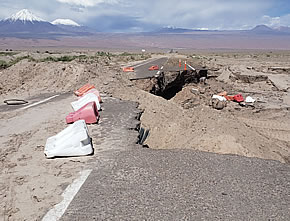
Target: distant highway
(141, 70)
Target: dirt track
(185, 121)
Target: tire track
(273, 125)
(270, 129)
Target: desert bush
(65, 58)
(3, 64)
(7, 53)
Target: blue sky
(143, 15)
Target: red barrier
(238, 98)
(89, 113)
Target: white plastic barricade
(72, 141)
(76, 105)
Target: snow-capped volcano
(71, 26)
(65, 22)
(24, 24)
(25, 16)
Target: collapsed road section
(168, 83)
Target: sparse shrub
(8, 53)
(125, 54)
(15, 61)
(104, 54)
(3, 64)
(48, 59)
(65, 58)
(101, 53)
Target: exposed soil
(188, 120)
(177, 109)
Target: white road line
(39, 102)
(58, 210)
(162, 68)
(191, 67)
(138, 65)
(158, 72)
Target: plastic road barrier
(128, 69)
(76, 105)
(154, 67)
(84, 89)
(94, 91)
(89, 113)
(72, 141)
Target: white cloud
(221, 14)
(87, 3)
(149, 14)
(276, 21)
(271, 21)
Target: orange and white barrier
(76, 105)
(93, 91)
(84, 89)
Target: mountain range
(259, 29)
(26, 27)
(24, 24)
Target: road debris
(15, 102)
(249, 99)
(220, 98)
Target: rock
(194, 91)
(202, 90)
(217, 104)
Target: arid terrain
(185, 121)
(154, 41)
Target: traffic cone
(179, 63)
(185, 66)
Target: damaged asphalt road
(146, 184)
